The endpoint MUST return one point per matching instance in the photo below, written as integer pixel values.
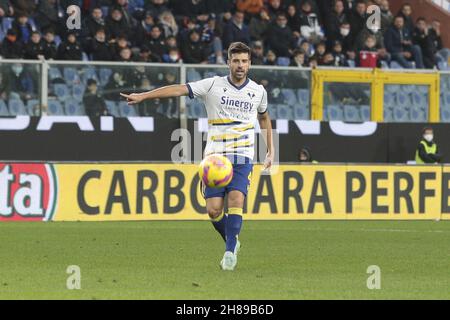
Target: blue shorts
(242, 171)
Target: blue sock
(220, 224)
(234, 225)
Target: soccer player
(233, 104)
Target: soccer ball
(216, 171)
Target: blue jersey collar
(241, 86)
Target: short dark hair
(238, 47)
(421, 19)
(427, 129)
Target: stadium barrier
(136, 191)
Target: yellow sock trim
(237, 211)
(220, 217)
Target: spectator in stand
(382, 54)
(250, 7)
(168, 24)
(280, 38)
(310, 28)
(368, 55)
(340, 60)
(259, 25)
(123, 6)
(398, 43)
(144, 28)
(171, 42)
(257, 53)
(116, 24)
(145, 55)
(406, 12)
(173, 56)
(11, 48)
(274, 8)
(156, 43)
(116, 84)
(125, 55)
(443, 54)
(319, 54)
(156, 7)
(194, 51)
(347, 42)
(334, 21)
(294, 21)
(211, 37)
(220, 7)
(34, 49)
(98, 48)
(117, 46)
(425, 42)
(47, 16)
(386, 15)
(298, 59)
(307, 48)
(23, 28)
(357, 18)
(50, 47)
(93, 23)
(236, 31)
(271, 58)
(7, 10)
(70, 49)
(93, 101)
(21, 82)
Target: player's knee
(214, 213)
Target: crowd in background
(280, 32)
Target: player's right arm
(176, 90)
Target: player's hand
(133, 98)
(268, 162)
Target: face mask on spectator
(428, 137)
(345, 32)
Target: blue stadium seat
(284, 112)
(289, 96)
(112, 107)
(89, 73)
(303, 97)
(351, 114)
(419, 99)
(365, 112)
(61, 91)
(417, 115)
(283, 61)
(31, 104)
(445, 114)
(105, 74)
(73, 108)
(392, 88)
(388, 115)
(301, 113)
(78, 92)
(423, 88)
(400, 115)
(16, 107)
(193, 75)
(408, 88)
(2, 35)
(335, 112)
(403, 100)
(71, 75)
(209, 74)
(195, 110)
(126, 110)
(54, 73)
(395, 65)
(55, 108)
(389, 99)
(3, 109)
(446, 99)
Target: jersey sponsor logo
(28, 192)
(242, 105)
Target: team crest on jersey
(224, 89)
(251, 95)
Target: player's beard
(239, 75)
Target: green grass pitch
(180, 260)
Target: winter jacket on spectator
(50, 49)
(91, 25)
(219, 6)
(250, 6)
(194, 50)
(114, 28)
(362, 36)
(95, 104)
(437, 40)
(393, 39)
(157, 46)
(99, 50)
(258, 26)
(11, 49)
(386, 19)
(357, 23)
(47, 16)
(32, 50)
(23, 31)
(234, 33)
(425, 42)
(69, 51)
(280, 40)
(409, 23)
(310, 26)
(26, 7)
(188, 8)
(332, 25)
(4, 7)
(156, 8)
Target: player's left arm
(266, 129)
